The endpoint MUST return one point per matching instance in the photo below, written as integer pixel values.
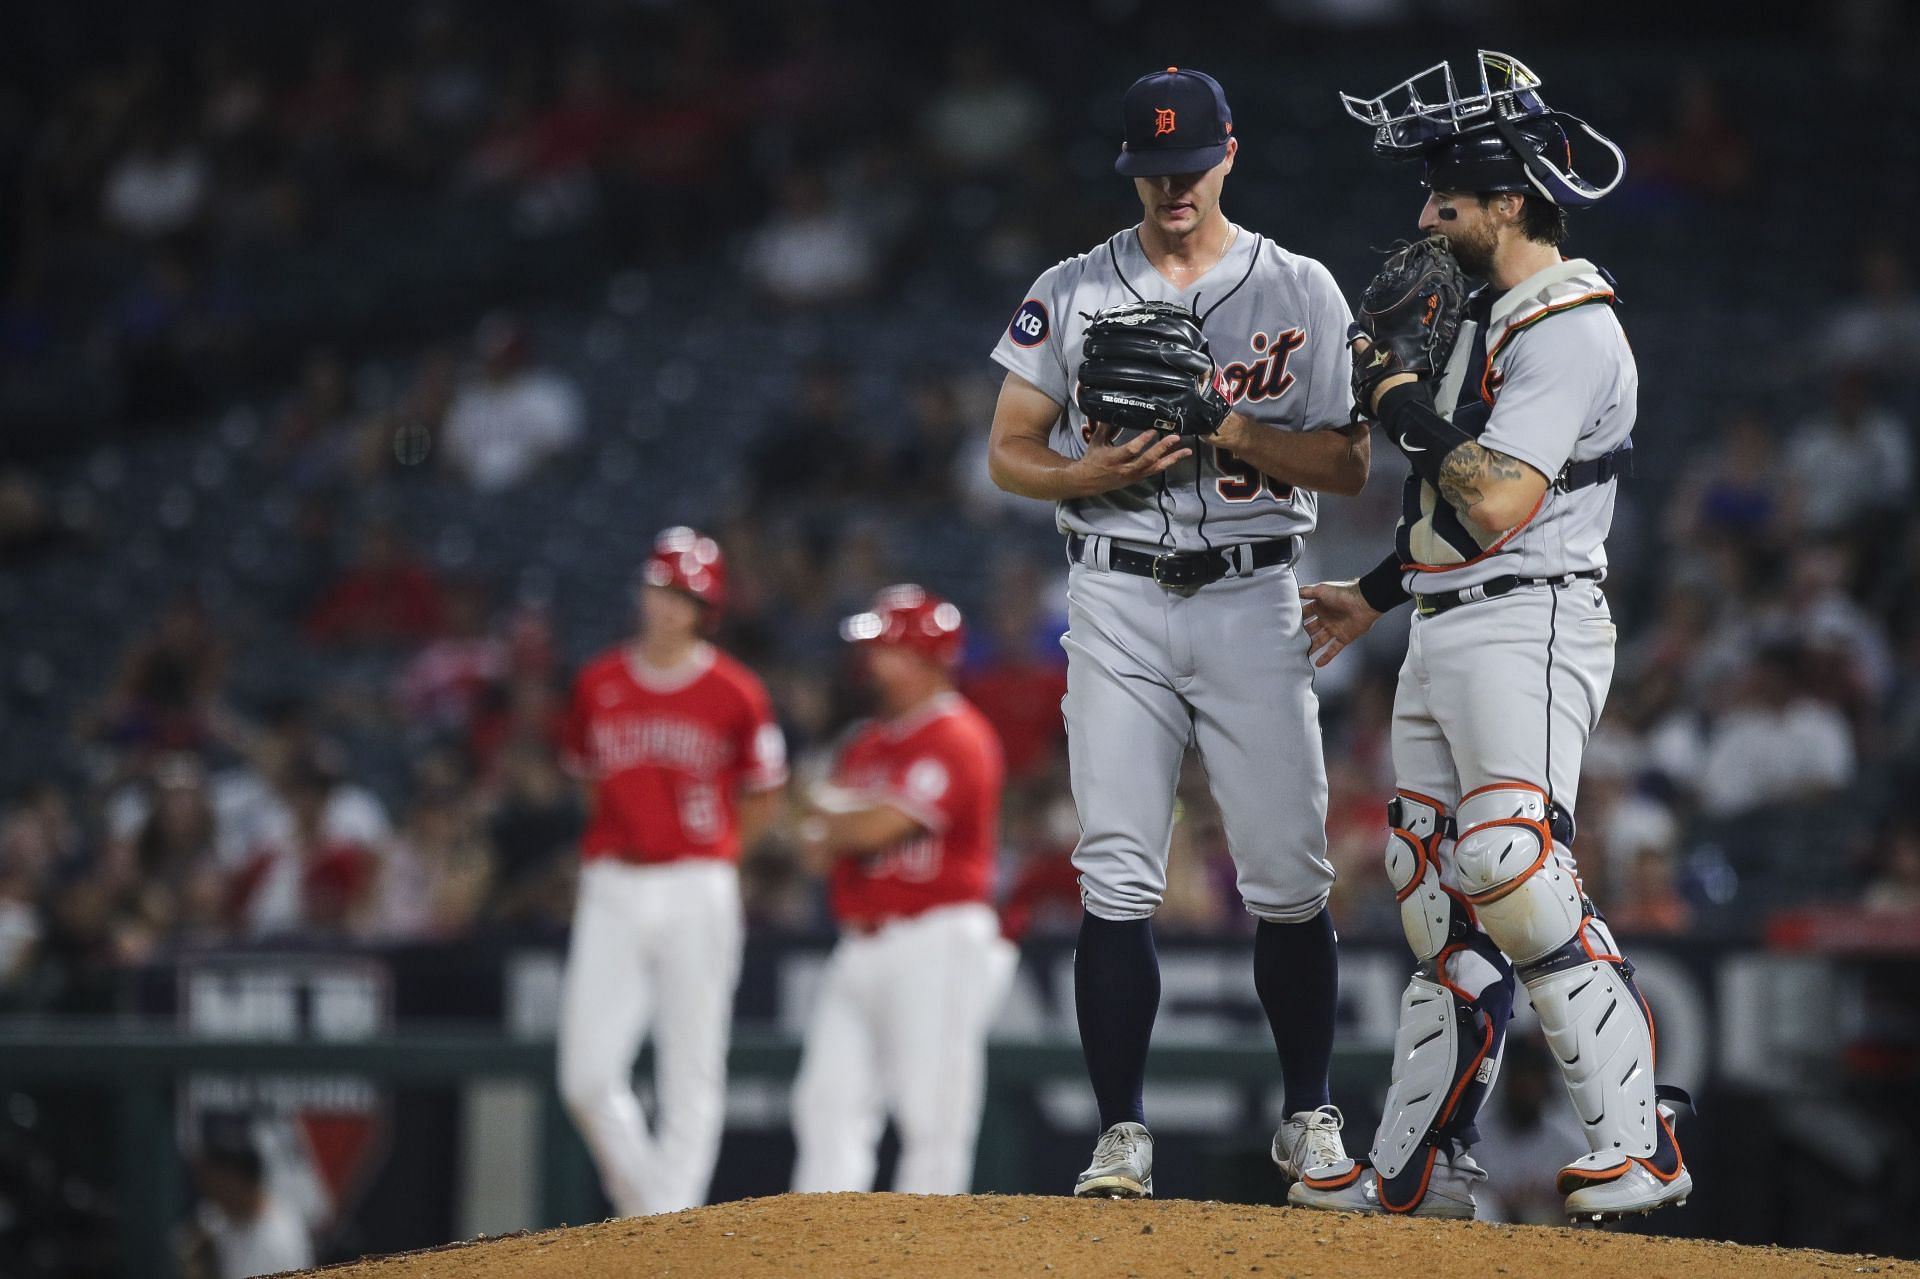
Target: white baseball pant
(1223, 668)
(901, 1028)
(655, 948)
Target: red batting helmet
(688, 561)
(913, 618)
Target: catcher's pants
(654, 948)
(1225, 668)
(1508, 689)
(901, 1028)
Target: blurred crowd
(181, 211)
(1764, 583)
(1769, 659)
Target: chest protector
(1432, 535)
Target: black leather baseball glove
(1145, 367)
(1410, 316)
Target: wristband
(1381, 587)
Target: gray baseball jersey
(1276, 324)
(1221, 668)
(1541, 373)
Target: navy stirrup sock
(1116, 990)
(1296, 971)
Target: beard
(1473, 250)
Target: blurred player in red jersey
(679, 743)
(906, 830)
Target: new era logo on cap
(1176, 121)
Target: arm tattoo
(1468, 468)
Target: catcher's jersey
(1541, 373)
(1276, 325)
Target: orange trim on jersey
(1503, 539)
(1552, 308)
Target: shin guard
(1453, 1027)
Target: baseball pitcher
(679, 744)
(1180, 392)
(906, 831)
(1513, 406)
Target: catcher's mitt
(1145, 367)
(1410, 316)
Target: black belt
(1440, 602)
(1190, 568)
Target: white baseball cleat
(1122, 1166)
(1309, 1139)
(1350, 1186)
(1605, 1187)
(1634, 1192)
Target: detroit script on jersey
(942, 766)
(669, 753)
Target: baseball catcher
(1513, 406)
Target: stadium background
(283, 622)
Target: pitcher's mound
(929, 1237)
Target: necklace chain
(1233, 233)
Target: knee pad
(1429, 914)
(1523, 895)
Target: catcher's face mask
(1502, 138)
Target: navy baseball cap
(1176, 122)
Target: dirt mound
(869, 1236)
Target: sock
(1296, 971)
(1116, 990)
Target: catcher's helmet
(912, 618)
(687, 561)
(1503, 138)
